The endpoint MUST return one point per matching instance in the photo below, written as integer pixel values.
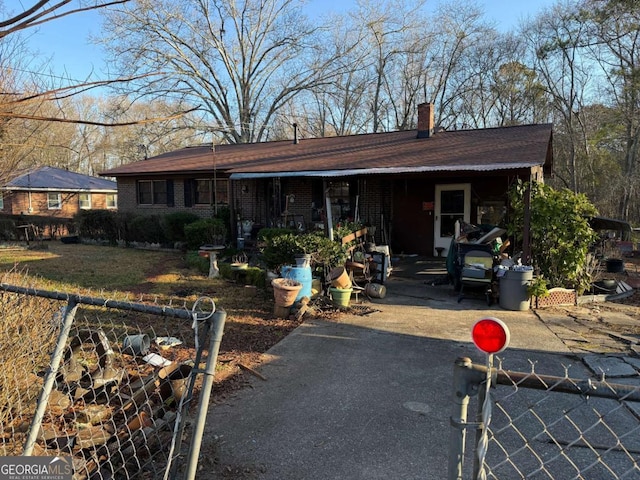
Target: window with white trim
(112, 200)
(54, 201)
(84, 201)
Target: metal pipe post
(56, 358)
(458, 418)
(218, 319)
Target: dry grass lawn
(158, 278)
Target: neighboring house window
(84, 199)
(112, 200)
(153, 192)
(54, 201)
(1, 202)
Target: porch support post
(526, 234)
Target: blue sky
(65, 40)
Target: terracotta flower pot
(285, 291)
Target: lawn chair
(477, 271)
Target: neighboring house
(411, 185)
(54, 192)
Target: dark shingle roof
(50, 178)
(485, 149)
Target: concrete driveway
(365, 397)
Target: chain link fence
(535, 426)
(107, 383)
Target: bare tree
(558, 39)
(388, 29)
(614, 24)
(342, 106)
(40, 122)
(446, 79)
(238, 61)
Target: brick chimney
(425, 120)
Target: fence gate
(104, 384)
(535, 426)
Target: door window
(451, 210)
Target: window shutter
(188, 192)
(170, 199)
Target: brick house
(411, 185)
(58, 193)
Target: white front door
(453, 202)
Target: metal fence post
(458, 418)
(467, 379)
(56, 358)
(217, 329)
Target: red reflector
(490, 335)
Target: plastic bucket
(341, 296)
(375, 290)
(303, 260)
(615, 265)
(136, 344)
(339, 278)
(513, 290)
(301, 275)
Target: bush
(266, 234)
(147, 228)
(280, 249)
(343, 229)
(282, 246)
(210, 231)
(256, 276)
(560, 234)
(199, 263)
(123, 222)
(224, 214)
(97, 225)
(174, 224)
(7, 229)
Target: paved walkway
(369, 397)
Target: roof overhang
(59, 190)
(391, 170)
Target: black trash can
(615, 265)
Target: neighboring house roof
(50, 178)
(488, 149)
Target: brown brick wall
(18, 203)
(128, 202)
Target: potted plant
(282, 248)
